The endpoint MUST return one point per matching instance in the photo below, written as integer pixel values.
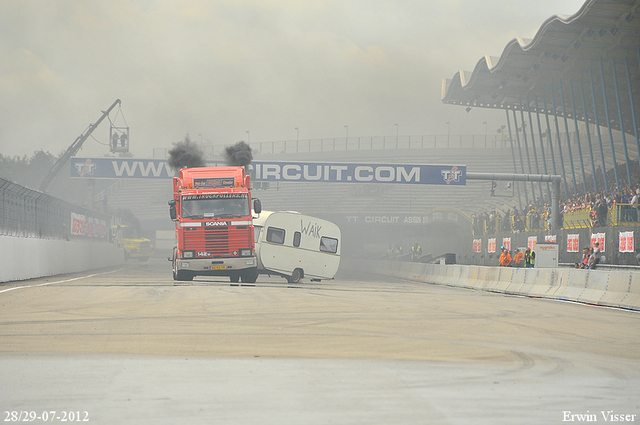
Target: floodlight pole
(555, 188)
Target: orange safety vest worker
(518, 258)
(505, 258)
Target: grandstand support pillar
(544, 159)
(515, 122)
(526, 149)
(559, 141)
(595, 114)
(533, 145)
(621, 119)
(547, 132)
(566, 127)
(633, 108)
(578, 142)
(555, 224)
(606, 112)
(555, 189)
(513, 156)
(586, 122)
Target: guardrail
(624, 215)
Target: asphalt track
(130, 346)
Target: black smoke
(186, 154)
(238, 154)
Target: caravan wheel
(295, 276)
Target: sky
(253, 70)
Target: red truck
(211, 208)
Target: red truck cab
(211, 208)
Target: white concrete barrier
(619, 288)
(633, 299)
(574, 286)
(28, 258)
(597, 284)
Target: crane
(73, 149)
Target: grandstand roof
(565, 55)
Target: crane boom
(73, 149)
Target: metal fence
(29, 213)
(437, 141)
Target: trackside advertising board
(120, 168)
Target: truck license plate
(218, 267)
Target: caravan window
(296, 239)
(275, 235)
(328, 245)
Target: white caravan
(295, 246)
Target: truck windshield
(216, 207)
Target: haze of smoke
(185, 154)
(128, 217)
(238, 154)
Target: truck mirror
(257, 206)
(172, 210)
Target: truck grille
(217, 240)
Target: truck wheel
(295, 276)
(183, 276)
(249, 276)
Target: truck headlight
(245, 252)
(188, 254)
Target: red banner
(626, 242)
(78, 224)
(531, 242)
(573, 243)
(477, 245)
(491, 245)
(599, 238)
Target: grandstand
(148, 199)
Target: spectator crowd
(590, 210)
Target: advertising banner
(531, 242)
(78, 224)
(573, 243)
(626, 242)
(598, 237)
(506, 242)
(272, 171)
(491, 245)
(477, 245)
(81, 225)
